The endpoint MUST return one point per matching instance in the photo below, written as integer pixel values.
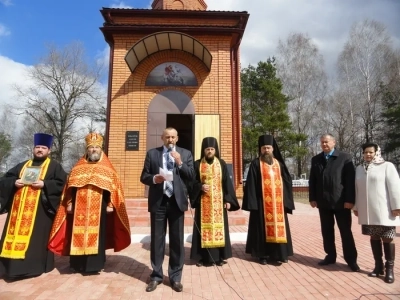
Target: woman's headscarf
(377, 160)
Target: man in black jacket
(332, 191)
(168, 201)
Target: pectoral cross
(271, 170)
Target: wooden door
(205, 126)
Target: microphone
(170, 147)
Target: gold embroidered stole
(86, 223)
(22, 217)
(90, 180)
(212, 206)
(272, 192)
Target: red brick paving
(126, 273)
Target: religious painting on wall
(171, 74)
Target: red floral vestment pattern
(272, 191)
(212, 206)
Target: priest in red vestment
(269, 198)
(92, 216)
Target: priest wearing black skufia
(31, 204)
(212, 195)
(269, 198)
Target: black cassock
(229, 196)
(38, 259)
(256, 244)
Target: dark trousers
(343, 219)
(168, 212)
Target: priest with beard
(269, 198)
(212, 195)
(92, 216)
(31, 207)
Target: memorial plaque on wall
(132, 141)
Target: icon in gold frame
(31, 174)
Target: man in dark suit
(332, 190)
(167, 202)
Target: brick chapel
(174, 65)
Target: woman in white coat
(378, 207)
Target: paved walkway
(127, 272)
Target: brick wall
(130, 99)
(179, 4)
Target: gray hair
(327, 135)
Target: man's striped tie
(169, 187)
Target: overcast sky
(327, 22)
(26, 26)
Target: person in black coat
(30, 206)
(332, 191)
(212, 195)
(268, 196)
(167, 202)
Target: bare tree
(64, 92)
(301, 68)
(342, 124)
(391, 110)
(5, 149)
(7, 136)
(7, 120)
(24, 141)
(75, 151)
(362, 68)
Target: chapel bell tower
(174, 65)
(179, 4)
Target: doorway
(170, 108)
(184, 125)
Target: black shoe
(199, 263)
(389, 275)
(221, 263)
(89, 273)
(378, 271)
(354, 267)
(263, 261)
(177, 286)
(284, 261)
(389, 249)
(274, 262)
(152, 285)
(326, 261)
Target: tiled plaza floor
(127, 272)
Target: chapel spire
(180, 4)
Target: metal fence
(300, 182)
(300, 194)
(300, 190)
